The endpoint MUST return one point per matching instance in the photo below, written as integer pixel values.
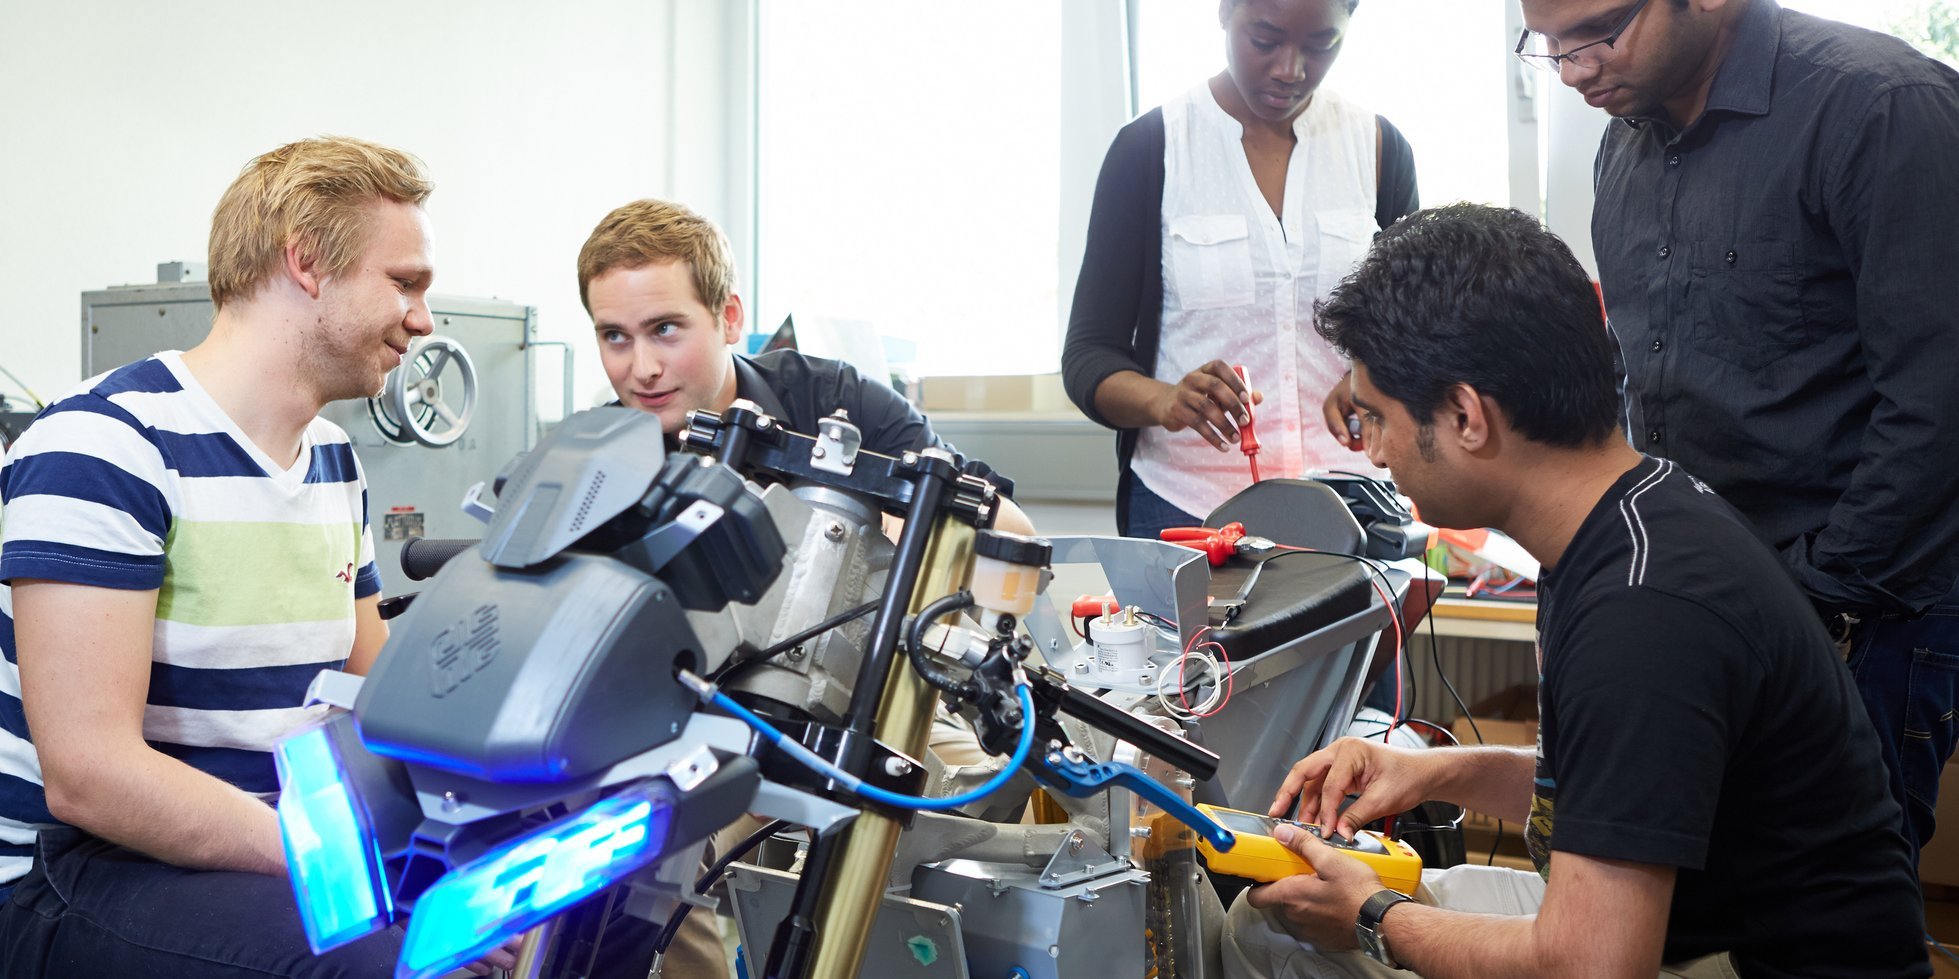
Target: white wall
(122, 122)
(1572, 132)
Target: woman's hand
(1211, 400)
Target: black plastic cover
(535, 675)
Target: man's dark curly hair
(1351, 5)
(1483, 296)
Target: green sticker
(925, 950)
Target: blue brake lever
(1085, 778)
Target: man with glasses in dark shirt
(1777, 199)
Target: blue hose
(794, 749)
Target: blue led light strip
(479, 905)
(331, 857)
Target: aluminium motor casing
(839, 559)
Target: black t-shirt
(1696, 715)
(800, 391)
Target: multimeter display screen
(1247, 823)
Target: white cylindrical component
(1004, 587)
(1121, 644)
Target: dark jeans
(1908, 673)
(89, 908)
(1150, 514)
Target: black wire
(1435, 653)
(1379, 570)
(921, 657)
(833, 622)
(714, 872)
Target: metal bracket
(1077, 859)
(473, 505)
(334, 689)
(690, 770)
(837, 442)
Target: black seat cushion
(1297, 593)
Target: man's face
(663, 349)
(1654, 61)
(1394, 441)
(369, 313)
(1278, 51)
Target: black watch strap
(1368, 926)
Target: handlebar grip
(422, 557)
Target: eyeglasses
(1540, 51)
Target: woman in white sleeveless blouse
(1219, 219)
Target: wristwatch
(1368, 926)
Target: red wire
(1396, 621)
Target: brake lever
(1066, 769)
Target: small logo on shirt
(347, 575)
(1699, 486)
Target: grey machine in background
(461, 404)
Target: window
(1932, 26)
(1424, 64)
(908, 176)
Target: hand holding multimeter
(1260, 856)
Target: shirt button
(1665, 251)
(1653, 436)
(1731, 258)
(1658, 345)
(1674, 160)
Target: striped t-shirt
(138, 480)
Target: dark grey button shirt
(1783, 278)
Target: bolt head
(834, 532)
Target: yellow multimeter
(1257, 855)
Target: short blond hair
(647, 232)
(314, 194)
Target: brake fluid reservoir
(1007, 571)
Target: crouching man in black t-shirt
(1707, 796)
